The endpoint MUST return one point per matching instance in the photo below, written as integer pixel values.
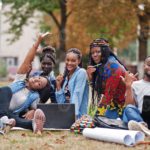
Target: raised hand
(90, 70)
(59, 80)
(25, 66)
(129, 78)
(41, 36)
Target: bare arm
(128, 80)
(129, 96)
(25, 66)
(59, 80)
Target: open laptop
(146, 110)
(146, 106)
(58, 116)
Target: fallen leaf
(59, 141)
(49, 133)
(23, 134)
(18, 146)
(63, 136)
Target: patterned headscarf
(99, 42)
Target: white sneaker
(7, 123)
(1, 127)
(139, 126)
(38, 121)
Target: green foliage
(113, 20)
(3, 69)
(92, 110)
(130, 52)
(22, 10)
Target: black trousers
(146, 118)
(5, 98)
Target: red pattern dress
(114, 89)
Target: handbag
(104, 122)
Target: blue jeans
(131, 112)
(112, 114)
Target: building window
(12, 61)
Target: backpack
(104, 122)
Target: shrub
(3, 69)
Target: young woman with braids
(47, 59)
(104, 73)
(73, 86)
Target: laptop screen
(58, 116)
(146, 105)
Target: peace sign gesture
(129, 78)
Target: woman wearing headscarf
(104, 73)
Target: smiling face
(72, 61)
(96, 54)
(37, 83)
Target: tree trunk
(62, 30)
(143, 37)
(143, 42)
(62, 45)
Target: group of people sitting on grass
(116, 92)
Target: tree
(108, 19)
(116, 20)
(22, 10)
(142, 11)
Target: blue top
(31, 97)
(79, 91)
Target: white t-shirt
(140, 88)
(20, 97)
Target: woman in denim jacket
(73, 87)
(48, 61)
(24, 94)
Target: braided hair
(97, 75)
(45, 92)
(79, 55)
(49, 52)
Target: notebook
(58, 116)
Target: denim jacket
(32, 95)
(52, 81)
(79, 91)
